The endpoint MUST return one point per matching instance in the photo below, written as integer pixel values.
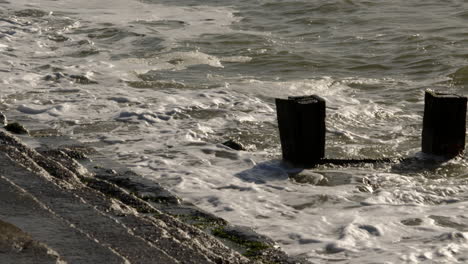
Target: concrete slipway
(63, 202)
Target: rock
(16, 128)
(76, 154)
(3, 119)
(232, 144)
(31, 13)
(56, 76)
(309, 177)
(412, 221)
(333, 248)
(82, 79)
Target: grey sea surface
(158, 85)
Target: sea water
(158, 85)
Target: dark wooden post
(444, 124)
(301, 122)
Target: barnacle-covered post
(444, 124)
(301, 122)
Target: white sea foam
(236, 59)
(172, 61)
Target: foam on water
(164, 107)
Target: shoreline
(80, 197)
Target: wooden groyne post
(301, 122)
(444, 124)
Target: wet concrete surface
(63, 202)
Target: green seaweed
(204, 223)
(252, 248)
(158, 200)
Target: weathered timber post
(444, 124)
(301, 122)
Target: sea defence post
(444, 124)
(301, 123)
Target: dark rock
(232, 144)
(75, 153)
(411, 221)
(56, 76)
(82, 79)
(78, 151)
(31, 13)
(371, 229)
(16, 128)
(62, 157)
(333, 248)
(3, 119)
(448, 222)
(114, 191)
